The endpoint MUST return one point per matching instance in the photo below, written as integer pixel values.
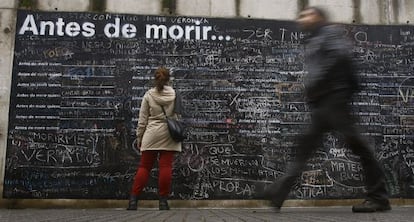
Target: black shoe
(275, 206)
(163, 204)
(276, 194)
(133, 203)
(370, 206)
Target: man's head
(311, 18)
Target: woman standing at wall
(154, 140)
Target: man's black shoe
(275, 206)
(272, 194)
(369, 206)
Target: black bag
(175, 127)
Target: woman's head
(162, 77)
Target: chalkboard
(78, 80)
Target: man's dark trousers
(332, 114)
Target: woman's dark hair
(162, 77)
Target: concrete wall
(345, 11)
(7, 24)
(134, 6)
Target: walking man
(329, 85)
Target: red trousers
(148, 159)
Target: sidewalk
(289, 214)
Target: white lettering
(60, 25)
(43, 25)
(129, 31)
(72, 29)
(60, 28)
(113, 30)
(114, 26)
(29, 25)
(88, 29)
(206, 29)
(157, 29)
(177, 32)
(172, 32)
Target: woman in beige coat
(154, 140)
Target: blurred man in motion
(329, 86)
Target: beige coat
(152, 130)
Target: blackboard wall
(78, 80)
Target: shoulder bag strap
(163, 110)
(178, 103)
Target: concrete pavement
(288, 214)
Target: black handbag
(175, 127)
